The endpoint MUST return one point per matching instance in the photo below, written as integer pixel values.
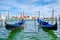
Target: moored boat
(46, 25)
(14, 26)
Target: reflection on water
(51, 32)
(30, 32)
(13, 33)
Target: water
(30, 32)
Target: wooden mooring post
(52, 18)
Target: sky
(30, 7)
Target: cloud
(30, 7)
(44, 2)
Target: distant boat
(46, 25)
(14, 26)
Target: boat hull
(14, 26)
(46, 25)
(50, 28)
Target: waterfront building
(26, 17)
(34, 17)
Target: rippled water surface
(30, 32)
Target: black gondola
(46, 25)
(14, 26)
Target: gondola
(46, 25)
(14, 26)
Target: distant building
(26, 17)
(13, 17)
(34, 17)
